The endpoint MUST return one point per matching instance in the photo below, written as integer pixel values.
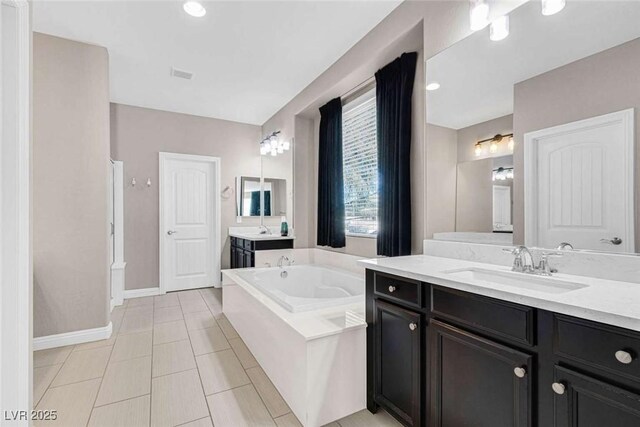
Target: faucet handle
(512, 251)
(551, 254)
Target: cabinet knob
(520, 372)
(558, 388)
(624, 357)
(392, 288)
(413, 326)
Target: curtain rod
(357, 88)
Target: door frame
(531, 139)
(162, 158)
(117, 267)
(16, 271)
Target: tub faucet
(282, 260)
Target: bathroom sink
(531, 282)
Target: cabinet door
(398, 361)
(239, 254)
(248, 259)
(232, 255)
(477, 382)
(581, 401)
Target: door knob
(520, 372)
(170, 232)
(615, 241)
(624, 357)
(558, 388)
(392, 288)
(413, 326)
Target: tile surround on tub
(269, 258)
(625, 268)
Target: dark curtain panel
(254, 209)
(394, 87)
(267, 203)
(330, 180)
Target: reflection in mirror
(249, 201)
(567, 88)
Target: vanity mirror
(538, 130)
(250, 203)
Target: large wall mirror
(544, 127)
(270, 195)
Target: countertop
(253, 233)
(606, 301)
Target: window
(360, 157)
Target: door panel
(580, 184)
(473, 382)
(587, 402)
(189, 229)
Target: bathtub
(306, 287)
(308, 333)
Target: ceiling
(249, 58)
(477, 75)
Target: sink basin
(531, 282)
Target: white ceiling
(477, 75)
(249, 58)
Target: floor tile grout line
(124, 400)
(93, 405)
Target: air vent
(181, 74)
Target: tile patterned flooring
(173, 360)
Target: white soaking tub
(306, 287)
(307, 331)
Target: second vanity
(459, 343)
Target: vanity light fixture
(551, 7)
(273, 145)
(433, 86)
(499, 29)
(502, 174)
(493, 143)
(194, 8)
(478, 14)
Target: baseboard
(70, 338)
(145, 292)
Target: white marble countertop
(606, 301)
(253, 233)
(309, 324)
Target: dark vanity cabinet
(243, 251)
(447, 358)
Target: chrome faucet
(565, 246)
(281, 261)
(523, 261)
(264, 229)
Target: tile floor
(173, 360)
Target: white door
(502, 208)
(579, 184)
(190, 222)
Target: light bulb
(274, 151)
(478, 149)
(551, 7)
(267, 145)
(499, 29)
(510, 144)
(280, 149)
(194, 8)
(493, 147)
(286, 145)
(478, 14)
(263, 149)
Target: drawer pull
(413, 326)
(558, 388)
(624, 357)
(520, 372)
(392, 289)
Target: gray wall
(70, 185)
(603, 83)
(474, 209)
(442, 153)
(137, 136)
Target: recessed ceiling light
(433, 86)
(194, 8)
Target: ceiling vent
(181, 74)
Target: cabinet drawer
(597, 345)
(504, 319)
(398, 289)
